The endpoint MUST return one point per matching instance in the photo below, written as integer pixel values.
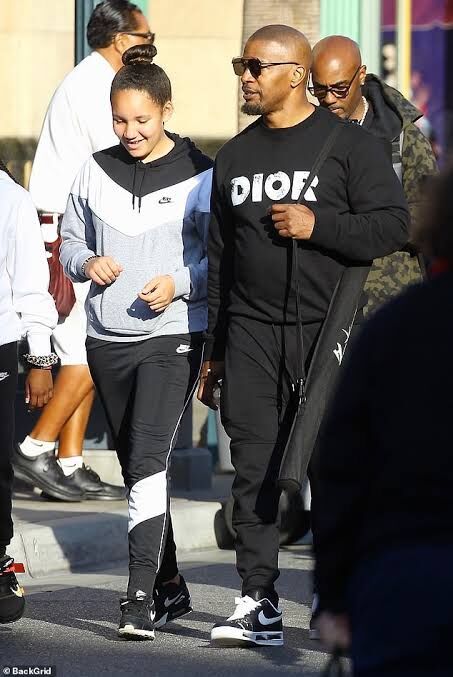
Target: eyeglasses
(255, 66)
(146, 36)
(339, 91)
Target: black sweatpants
(8, 387)
(144, 387)
(257, 408)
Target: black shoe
(171, 601)
(12, 602)
(45, 473)
(89, 482)
(256, 623)
(137, 619)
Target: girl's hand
(38, 388)
(103, 270)
(158, 293)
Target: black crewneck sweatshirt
(360, 214)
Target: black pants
(8, 387)
(144, 388)
(257, 409)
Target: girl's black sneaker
(137, 618)
(12, 602)
(171, 601)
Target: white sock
(33, 448)
(71, 464)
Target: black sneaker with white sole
(137, 618)
(171, 601)
(12, 602)
(254, 623)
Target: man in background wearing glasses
(353, 211)
(341, 84)
(78, 123)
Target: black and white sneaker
(171, 601)
(12, 602)
(256, 623)
(137, 618)
(313, 632)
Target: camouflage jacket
(392, 117)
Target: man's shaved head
(291, 41)
(337, 62)
(280, 82)
(337, 48)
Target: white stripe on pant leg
(147, 499)
(170, 448)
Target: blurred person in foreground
(26, 308)
(341, 84)
(78, 123)
(384, 552)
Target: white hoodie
(26, 307)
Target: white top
(78, 123)
(26, 307)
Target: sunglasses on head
(339, 91)
(255, 66)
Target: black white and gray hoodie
(152, 218)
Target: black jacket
(385, 461)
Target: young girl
(136, 225)
(27, 309)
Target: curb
(100, 539)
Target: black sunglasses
(255, 66)
(339, 91)
(147, 36)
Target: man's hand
(211, 373)
(334, 630)
(38, 388)
(103, 270)
(158, 293)
(296, 221)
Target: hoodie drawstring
(138, 193)
(133, 185)
(140, 188)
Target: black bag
(312, 391)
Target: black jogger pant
(144, 387)
(257, 408)
(8, 387)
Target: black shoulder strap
(300, 385)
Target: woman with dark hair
(384, 553)
(136, 226)
(26, 308)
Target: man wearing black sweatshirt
(353, 211)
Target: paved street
(72, 618)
